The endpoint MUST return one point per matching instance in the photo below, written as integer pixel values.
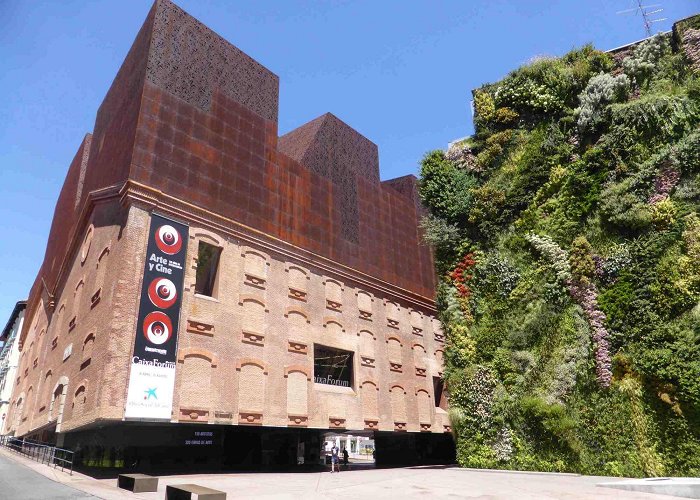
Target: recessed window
(332, 366)
(207, 269)
(439, 393)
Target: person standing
(334, 458)
(345, 456)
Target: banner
(152, 377)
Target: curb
(524, 472)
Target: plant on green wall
(600, 91)
(646, 58)
(567, 242)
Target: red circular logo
(168, 239)
(162, 293)
(157, 327)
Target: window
(77, 299)
(207, 267)
(88, 345)
(440, 393)
(332, 366)
(79, 400)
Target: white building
(9, 359)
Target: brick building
(301, 303)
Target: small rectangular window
(207, 269)
(439, 393)
(332, 366)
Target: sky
(399, 72)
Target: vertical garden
(567, 240)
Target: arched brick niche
(251, 391)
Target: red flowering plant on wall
(462, 274)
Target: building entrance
(357, 448)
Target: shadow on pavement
(112, 473)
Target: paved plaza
(21, 482)
(34, 481)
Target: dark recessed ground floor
(145, 446)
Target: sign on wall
(152, 377)
(332, 366)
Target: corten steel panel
(117, 117)
(65, 212)
(328, 146)
(211, 63)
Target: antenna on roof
(646, 13)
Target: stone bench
(138, 483)
(185, 491)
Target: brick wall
(245, 355)
(277, 362)
(74, 345)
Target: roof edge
(19, 307)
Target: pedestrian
(334, 458)
(345, 456)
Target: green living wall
(567, 242)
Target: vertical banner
(152, 377)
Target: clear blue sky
(400, 72)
